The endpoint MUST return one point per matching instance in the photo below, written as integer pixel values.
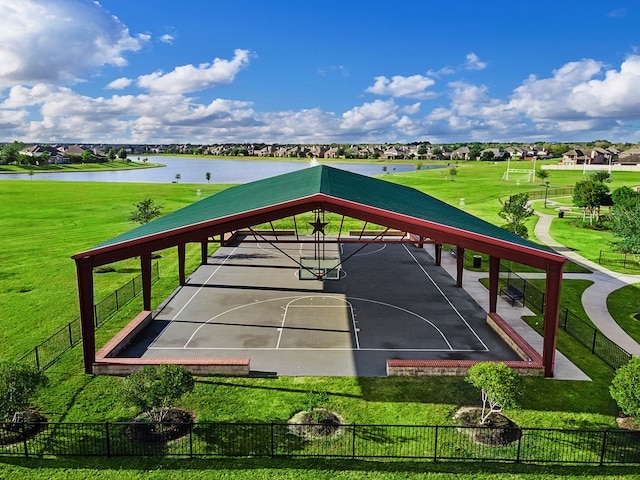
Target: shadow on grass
(311, 468)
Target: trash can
(477, 261)
(561, 214)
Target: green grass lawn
(624, 305)
(43, 223)
(78, 167)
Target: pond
(192, 170)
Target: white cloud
(546, 99)
(414, 86)
(474, 63)
(614, 96)
(119, 83)
(167, 38)
(188, 78)
(59, 40)
(370, 116)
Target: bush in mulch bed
(31, 423)
(316, 424)
(497, 431)
(176, 424)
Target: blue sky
(349, 71)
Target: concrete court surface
(391, 302)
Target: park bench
(514, 294)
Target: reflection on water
(187, 170)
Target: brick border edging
(530, 365)
(107, 362)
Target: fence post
(566, 317)
(106, 431)
(24, 440)
(273, 447)
(519, 445)
(191, 440)
(37, 358)
(117, 301)
(353, 443)
(435, 445)
(604, 447)
(70, 335)
(593, 344)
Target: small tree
(208, 176)
(453, 171)
(18, 385)
(590, 194)
(625, 388)
(515, 211)
(155, 389)
(542, 175)
(122, 154)
(145, 211)
(178, 177)
(499, 385)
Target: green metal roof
(323, 181)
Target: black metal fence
(552, 192)
(625, 260)
(612, 354)
(527, 445)
(46, 353)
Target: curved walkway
(594, 298)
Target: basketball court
(386, 301)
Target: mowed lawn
(43, 223)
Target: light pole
(546, 193)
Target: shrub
(18, 385)
(499, 385)
(155, 389)
(625, 388)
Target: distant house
(498, 153)
(630, 156)
(461, 153)
(52, 154)
(516, 152)
(596, 156)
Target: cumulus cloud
(370, 116)
(59, 40)
(414, 86)
(119, 83)
(167, 38)
(615, 95)
(474, 63)
(189, 78)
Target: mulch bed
(176, 424)
(497, 431)
(627, 422)
(34, 423)
(317, 424)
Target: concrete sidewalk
(564, 368)
(594, 298)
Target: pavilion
(321, 189)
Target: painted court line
(446, 298)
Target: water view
(187, 170)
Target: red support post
(551, 313)
(145, 266)
(181, 264)
(494, 277)
(459, 265)
(84, 272)
(438, 253)
(204, 250)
